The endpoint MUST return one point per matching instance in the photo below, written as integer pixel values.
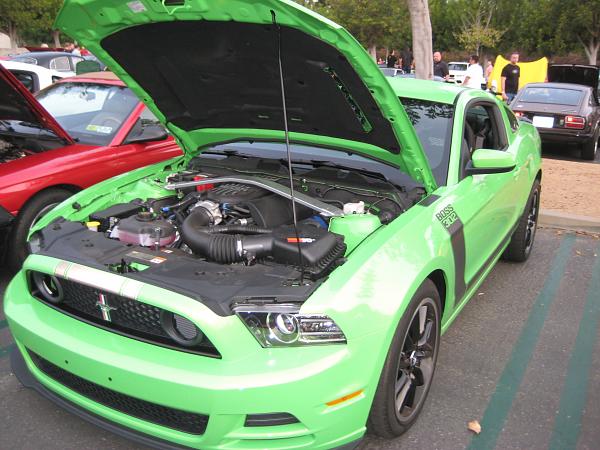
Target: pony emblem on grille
(105, 308)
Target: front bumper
(298, 381)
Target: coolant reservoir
(144, 229)
(354, 227)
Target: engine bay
(226, 234)
(15, 146)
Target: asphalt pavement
(523, 359)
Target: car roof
(97, 77)
(45, 54)
(426, 89)
(577, 87)
(26, 67)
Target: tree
(28, 20)
(373, 22)
(476, 30)
(581, 19)
(422, 38)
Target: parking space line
(501, 401)
(574, 393)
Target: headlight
(284, 326)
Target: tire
(521, 242)
(590, 148)
(31, 212)
(406, 377)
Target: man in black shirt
(392, 59)
(440, 68)
(510, 79)
(407, 58)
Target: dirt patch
(571, 187)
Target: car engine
(227, 234)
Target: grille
(124, 316)
(176, 419)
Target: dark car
(61, 61)
(566, 109)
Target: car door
(486, 205)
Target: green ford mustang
(207, 301)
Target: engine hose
(226, 244)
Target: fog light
(46, 287)
(181, 330)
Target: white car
(457, 71)
(33, 77)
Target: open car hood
(17, 103)
(209, 70)
(575, 74)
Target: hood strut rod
(287, 146)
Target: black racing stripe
(455, 228)
(429, 200)
(459, 250)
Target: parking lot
(523, 359)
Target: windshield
(433, 124)
(91, 113)
(555, 96)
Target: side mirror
(484, 161)
(151, 132)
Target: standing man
(474, 76)
(407, 59)
(440, 68)
(510, 78)
(392, 59)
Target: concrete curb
(558, 219)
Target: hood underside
(17, 103)
(574, 73)
(210, 70)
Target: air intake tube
(225, 244)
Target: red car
(78, 132)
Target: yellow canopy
(531, 72)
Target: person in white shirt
(474, 75)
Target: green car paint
(454, 235)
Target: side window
(146, 119)
(61, 63)
(512, 119)
(483, 128)
(27, 78)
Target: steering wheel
(111, 122)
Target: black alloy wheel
(532, 219)
(522, 240)
(417, 361)
(409, 366)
